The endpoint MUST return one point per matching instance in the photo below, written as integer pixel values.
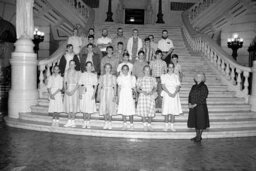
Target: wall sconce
(235, 43)
(38, 38)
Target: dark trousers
(168, 58)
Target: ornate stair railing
(85, 19)
(198, 8)
(81, 8)
(235, 75)
(63, 15)
(46, 65)
(209, 16)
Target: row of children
(116, 93)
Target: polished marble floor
(24, 150)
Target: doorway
(134, 16)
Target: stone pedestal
(23, 91)
(253, 94)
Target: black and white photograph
(128, 85)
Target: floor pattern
(24, 150)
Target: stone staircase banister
(77, 11)
(235, 75)
(45, 66)
(81, 8)
(198, 7)
(218, 14)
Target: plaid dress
(146, 103)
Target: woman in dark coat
(198, 117)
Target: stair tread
(179, 119)
(136, 133)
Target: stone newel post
(253, 94)
(23, 91)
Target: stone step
(190, 82)
(215, 94)
(211, 108)
(211, 88)
(175, 36)
(179, 124)
(214, 116)
(184, 101)
(138, 133)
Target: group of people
(137, 80)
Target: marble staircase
(230, 116)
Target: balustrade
(198, 8)
(235, 75)
(80, 6)
(46, 65)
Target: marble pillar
(23, 92)
(253, 93)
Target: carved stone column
(109, 13)
(160, 13)
(23, 92)
(253, 93)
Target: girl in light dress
(88, 84)
(54, 87)
(71, 99)
(171, 105)
(125, 61)
(107, 88)
(146, 86)
(126, 104)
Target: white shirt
(105, 41)
(130, 44)
(165, 45)
(76, 42)
(177, 69)
(68, 57)
(89, 57)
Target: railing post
(253, 93)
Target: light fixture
(132, 19)
(38, 38)
(235, 42)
